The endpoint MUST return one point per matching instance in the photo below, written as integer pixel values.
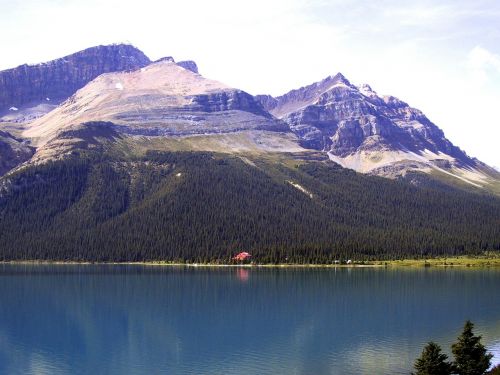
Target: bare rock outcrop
(56, 80)
(362, 130)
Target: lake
(118, 319)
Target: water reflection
(242, 274)
(131, 319)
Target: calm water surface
(164, 320)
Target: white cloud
(483, 64)
(419, 15)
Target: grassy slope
(488, 259)
(277, 147)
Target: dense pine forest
(204, 207)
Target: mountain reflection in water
(141, 319)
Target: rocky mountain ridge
(28, 92)
(56, 80)
(162, 99)
(119, 86)
(156, 162)
(369, 133)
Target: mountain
(145, 101)
(374, 134)
(157, 162)
(162, 100)
(189, 65)
(353, 125)
(28, 91)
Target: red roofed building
(242, 256)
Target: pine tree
(471, 357)
(432, 361)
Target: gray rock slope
(367, 132)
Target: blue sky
(440, 56)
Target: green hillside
(196, 206)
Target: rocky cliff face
(227, 101)
(56, 80)
(362, 130)
(119, 85)
(189, 65)
(161, 99)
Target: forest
(206, 207)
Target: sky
(440, 56)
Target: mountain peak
(56, 80)
(189, 65)
(126, 55)
(304, 96)
(361, 130)
(339, 78)
(162, 98)
(365, 87)
(121, 49)
(166, 58)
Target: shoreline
(491, 261)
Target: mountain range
(109, 122)
(353, 125)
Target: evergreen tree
(471, 357)
(432, 361)
(203, 207)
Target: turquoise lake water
(100, 319)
